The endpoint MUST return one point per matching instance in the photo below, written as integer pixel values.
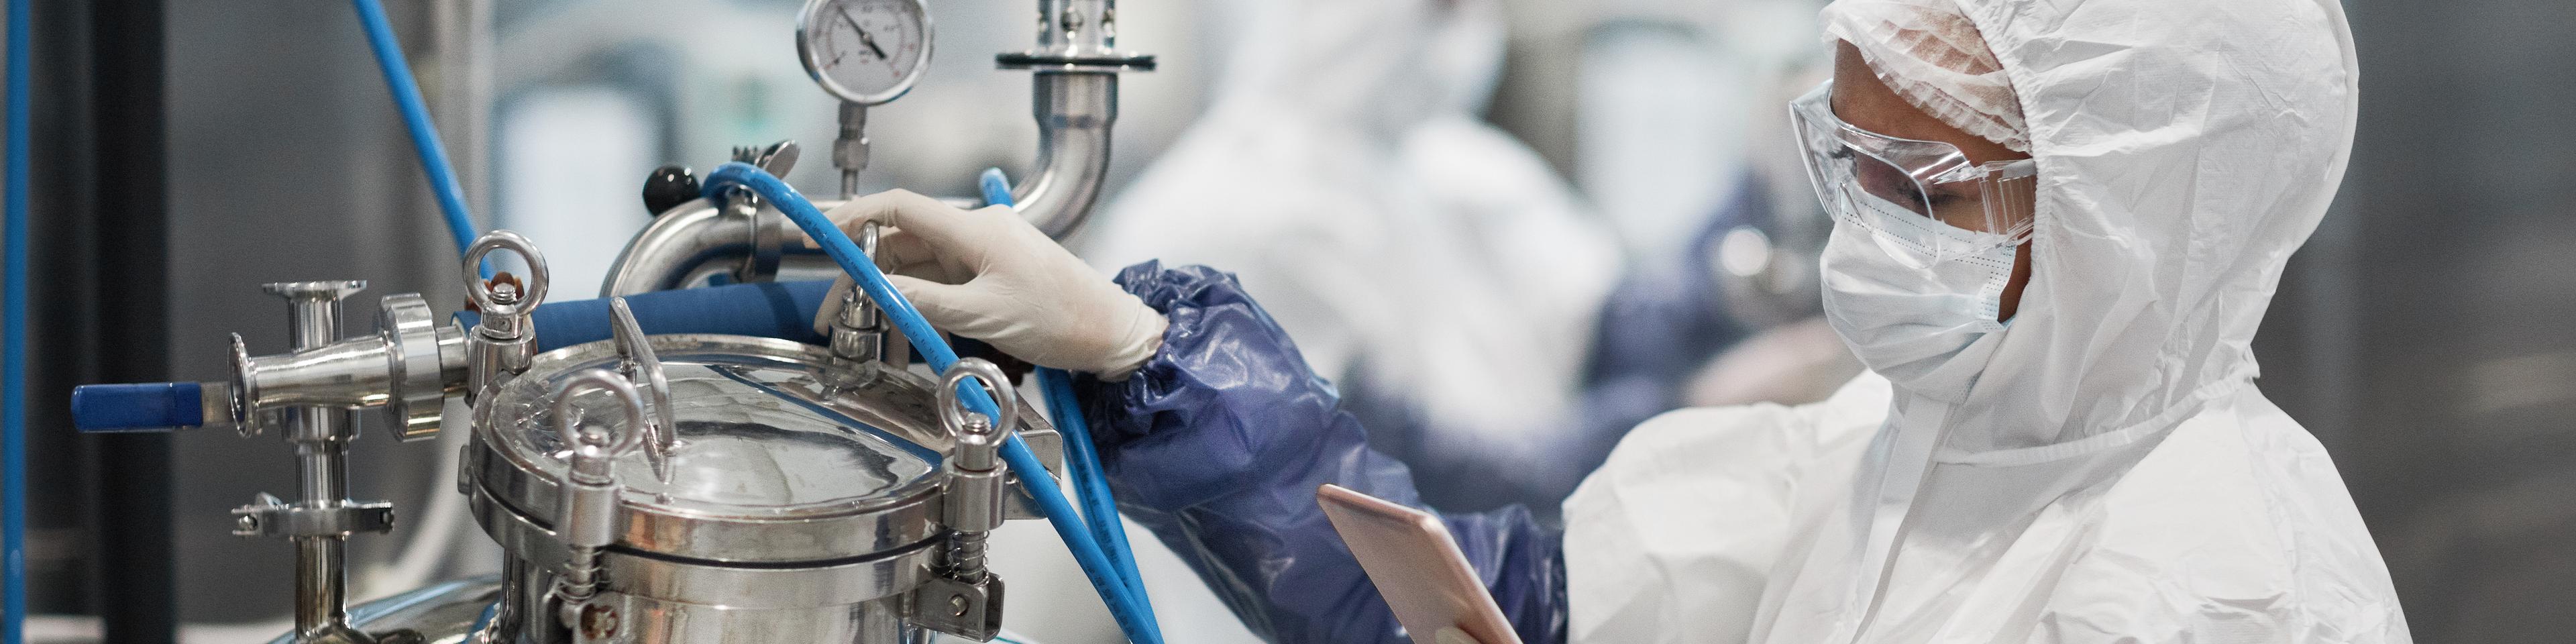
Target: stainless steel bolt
(598, 621)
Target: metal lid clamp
(590, 515)
(861, 332)
(965, 599)
(767, 243)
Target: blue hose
(1099, 507)
(424, 133)
(1133, 616)
(13, 393)
(1082, 464)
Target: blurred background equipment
(183, 152)
(1341, 173)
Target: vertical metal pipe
(850, 150)
(318, 567)
(321, 436)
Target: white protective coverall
(2113, 475)
(1343, 174)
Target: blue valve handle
(139, 407)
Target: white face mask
(1911, 318)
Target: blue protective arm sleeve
(1217, 445)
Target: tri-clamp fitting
(408, 367)
(965, 599)
(590, 518)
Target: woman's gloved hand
(987, 274)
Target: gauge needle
(864, 38)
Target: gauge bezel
(814, 68)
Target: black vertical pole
(137, 571)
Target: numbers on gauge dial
(865, 50)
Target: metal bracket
(273, 517)
(972, 611)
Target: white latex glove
(987, 274)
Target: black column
(130, 248)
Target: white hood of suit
(2112, 474)
(2185, 150)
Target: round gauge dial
(864, 51)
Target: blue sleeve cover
(1217, 445)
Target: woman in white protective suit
(2056, 228)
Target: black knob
(668, 187)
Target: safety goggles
(1922, 195)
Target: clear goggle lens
(1924, 195)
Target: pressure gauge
(864, 51)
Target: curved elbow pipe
(1074, 99)
(1074, 111)
(693, 239)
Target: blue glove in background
(1217, 445)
